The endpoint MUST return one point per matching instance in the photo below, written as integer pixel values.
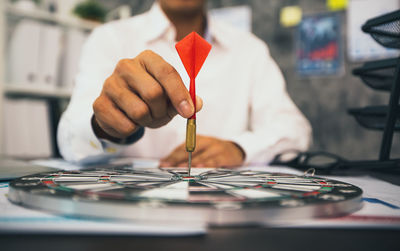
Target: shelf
(49, 17)
(379, 75)
(25, 91)
(373, 117)
(385, 29)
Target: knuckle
(153, 93)
(140, 112)
(122, 65)
(127, 129)
(167, 71)
(146, 53)
(108, 84)
(98, 105)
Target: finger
(170, 80)
(141, 82)
(111, 119)
(172, 112)
(127, 101)
(199, 103)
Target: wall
(323, 100)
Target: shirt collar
(159, 23)
(162, 28)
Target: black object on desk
(385, 30)
(379, 75)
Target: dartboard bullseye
(214, 196)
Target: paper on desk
(16, 219)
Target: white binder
(24, 53)
(49, 50)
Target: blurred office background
(41, 43)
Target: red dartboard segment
(193, 51)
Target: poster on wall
(319, 45)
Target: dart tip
(190, 162)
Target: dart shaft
(190, 135)
(190, 139)
(190, 163)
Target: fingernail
(185, 109)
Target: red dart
(193, 51)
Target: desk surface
(218, 239)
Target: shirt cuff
(113, 146)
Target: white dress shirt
(243, 91)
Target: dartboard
(213, 196)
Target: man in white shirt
(131, 85)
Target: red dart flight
(193, 51)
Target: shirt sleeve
(276, 125)
(75, 136)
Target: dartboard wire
(215, 188)
(139, 180)
(239, 180)
(207, 174)
(290, 178)
(75, 178)
(140, 176)
(112, 184)
(274, 182)
(287, 191)
(227, 184)
(264, 176)
(176, 172)
(325, 184)
(106, 173)
(66, 185)
(211, 185)
(295, 184)
(244, 183)
(158, 184)
(158, 174)
(237, 190)
(321, 188)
